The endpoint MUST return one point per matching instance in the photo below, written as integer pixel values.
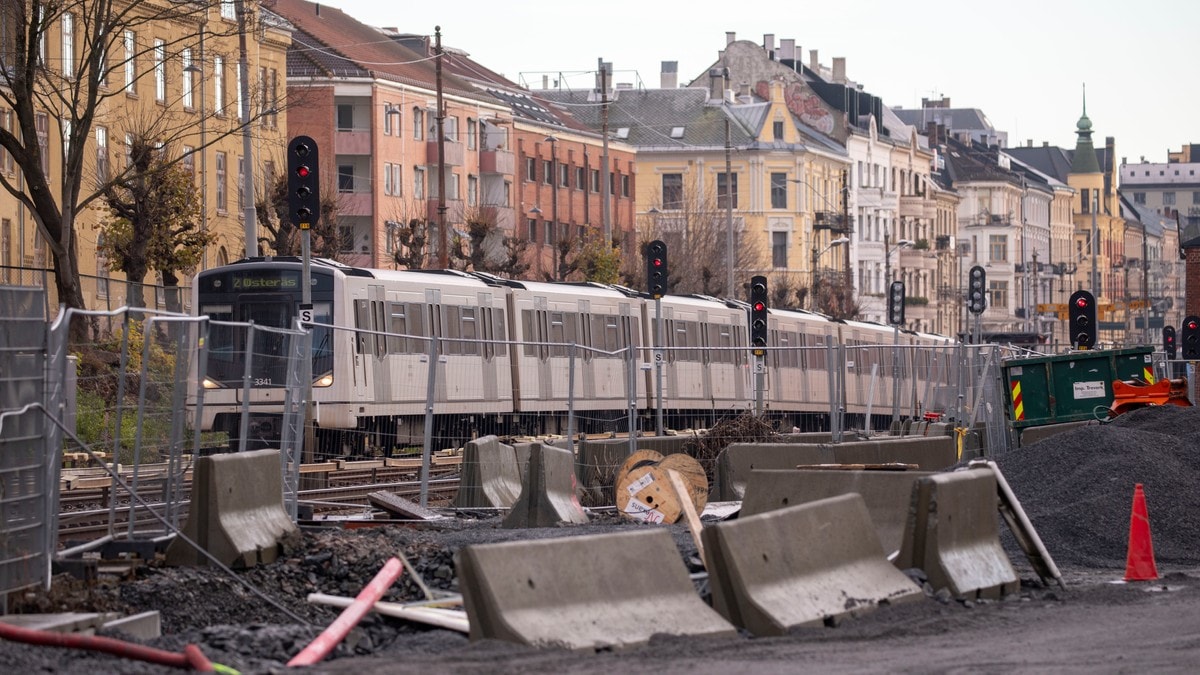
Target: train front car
(245, 365)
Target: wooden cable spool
(644, 491)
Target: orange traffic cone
(1139, 564)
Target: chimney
(1045, 144)
(1029, 143)
(545, 81)
(787, 50)
(668, 78)
(317, 7)
(814, 64)
(744, 90)
(716, 84)
(606, 68)
(839, 69)
(730, 37)
(769, 42)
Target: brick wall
(1192, 287)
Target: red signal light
(1170, 338)
(1081, 302)
(758, 306)
(302, 171)
(658, 262)
(1191, 325)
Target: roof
(958, 119)
(1050, 160)
(331, 43)
(971, 163)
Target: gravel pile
(1077, 487)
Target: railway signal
(1191, 338)
(895, 307)
(1082, 308)
(758, 314)
(656, 268)
(1169, 342)
(977, 290)
(304, 193)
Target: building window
(779, 250)
(388, 111)
(551, 233)
(219, 84)
(998, 248)
(387, 178)
(672, 190)
(595, 180)
(228, 10)
(185, 78)
(160, 71)
(221, 203)
(130, 64)
(579, 173)
(418, 182)
(777, 130)
(998, 294)
(472, 190)
(472, 134)
(42, 124)
(530, 168)
(345, 178)
(531, 226)
(345, 117)
(547, 172)
(625, 186)
(102, 154)
(68, 45)
(779, 190)
(727, 185)
(241, 183)
(6, 159)
(1085, 197)
(418, 124)
(1168, 199)
(237, 91)
(346, 238)
(1195, 197)
(507, 196)
(1140, 198)
(564, 176)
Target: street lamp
(888, 250)
(816, 256)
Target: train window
(362, 321)
(720, 340)
(470, 332)
(558, 334)
(397, 328)
(379, 323)
(488, 336)
(608, 336)
(500, 330)
(527, 332)
(453, 325)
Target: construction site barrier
(828, 566)
(548, 497)
(886, 494)
(590, 592)
(953, 534)
(1031, 435)
(491, 475)
(237, 512)
(735, 462)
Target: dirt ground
(1076, 490)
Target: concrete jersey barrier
(548, 497)
(588, 592)
(237, 512)
(491, 476)
(887, 495)
(953, 534)
(829, 566)
(735, 462)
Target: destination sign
(265, 281)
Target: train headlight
(211, 384)
(325, 380)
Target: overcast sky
(1023, 62)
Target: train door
(483, 328)
(380, 374)
(436, 320)
(585, 365)
(705, 356)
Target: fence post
(831, 380)
(841, 394)
(430, 392)
(571, 351)
(871, 398)
(244, 422)
(631, 395)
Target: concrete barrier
(491, 476)
(735, 462)
(599, 591)
(887, 495)
(828, 566)
(237, 512)
(1031, 435)
(953, 534)
(548, 497)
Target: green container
(1068, 387)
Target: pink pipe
(349, 618)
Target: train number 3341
(262, 381)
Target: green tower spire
(1084, 160)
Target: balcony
(912, 206)
(918, 259)
(354, 203)
(829, 220)
(503, 217)
(455, 152)
(496, 161)
(352, 142)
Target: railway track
(90, 508)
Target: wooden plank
(893, 466)
(401, 507)
(683, 491)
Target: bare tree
(487, 248)
(696, 229)
(65, 99)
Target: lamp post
(887, 255)
(816, 256)
(557, 253)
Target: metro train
(507, 353)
